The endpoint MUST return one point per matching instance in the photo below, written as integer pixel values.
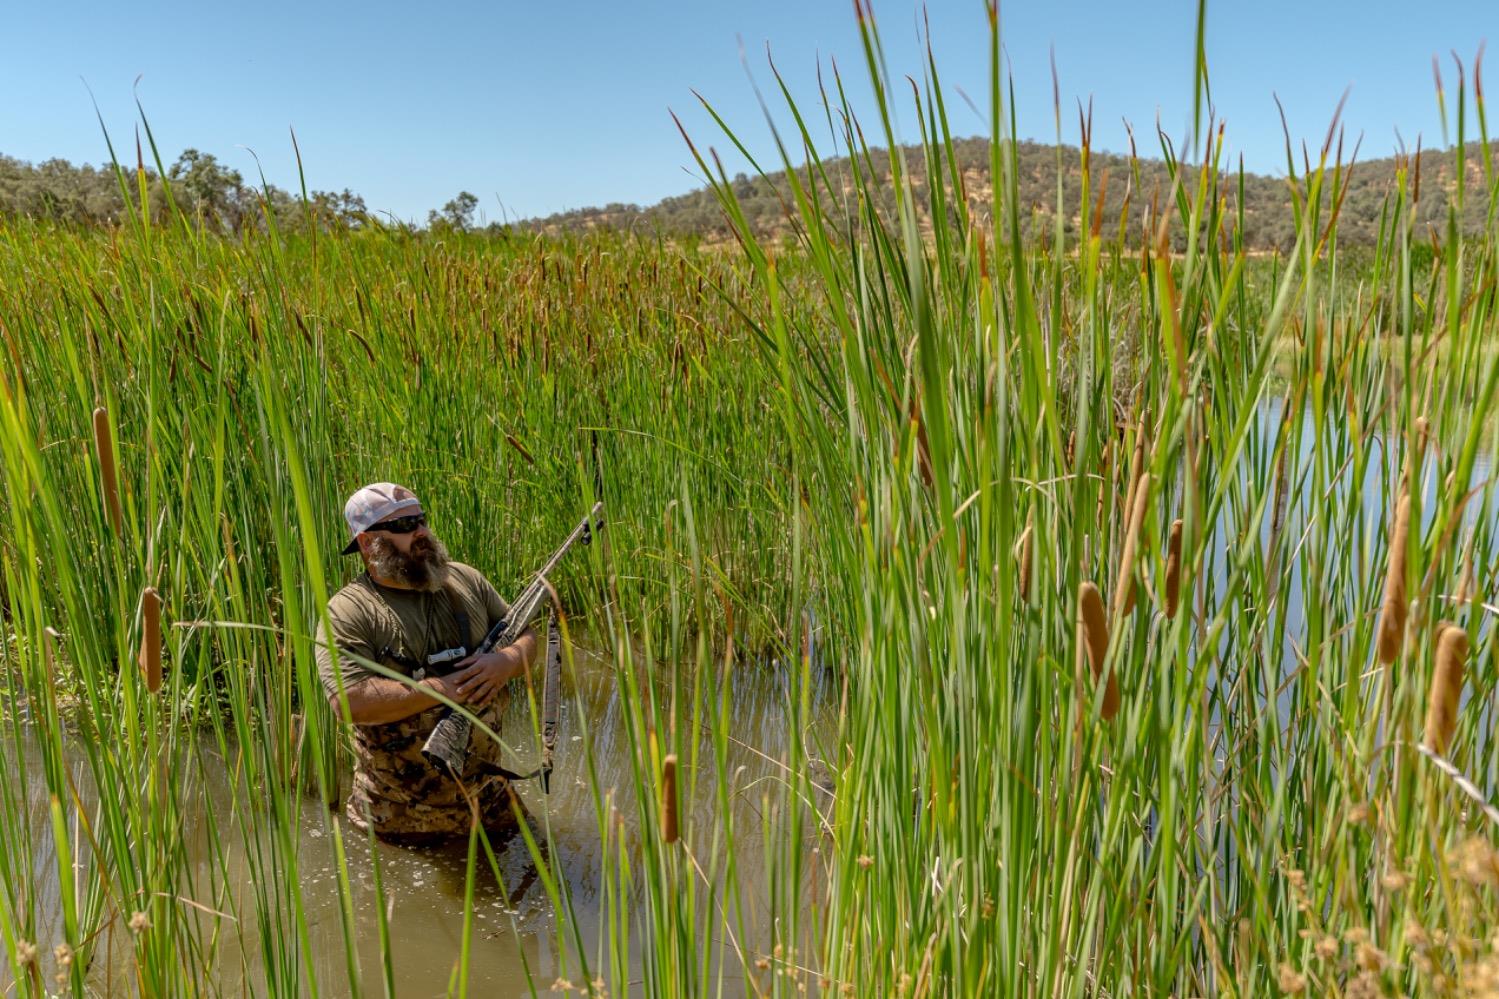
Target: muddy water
(514, 922)
(515, 927)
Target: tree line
(202, 187)
(1133, 192)
(215, 196)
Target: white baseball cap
(376, 502)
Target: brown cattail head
(1094, 627)
(1173, 567)
(1136, 460)
(150, 654)
(1124, 590)
(1446, 686)
(1392, 613)
(108, 477)
(1415, 453)
(669, 799)
(1024, 547)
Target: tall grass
(182, 417)
(1256, 818)
(892, 471)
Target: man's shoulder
(466, 575)
(351, 603)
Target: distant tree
(343, 209)
(209, 191)
(456, 214)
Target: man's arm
(379, 700)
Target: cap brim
(351, 547)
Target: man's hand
(479, 678)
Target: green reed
(1257, 817)
(244, 388)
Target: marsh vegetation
(1095, 613)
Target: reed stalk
(1446, 686)
(1124, 590)
(149, 659)
(1093, 632)
(669, 799)
(109, 482)
(1395, 606)
(1025, 553)
(1171, 589)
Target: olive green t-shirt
(400, 628)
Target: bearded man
(409, 611)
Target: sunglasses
(400, 525)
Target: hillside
(220, 198)
(1268, 221)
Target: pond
(514, 928)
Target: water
(514, 924)
(1365, 541)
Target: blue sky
(538, 107)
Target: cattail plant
(1136, 463)
(1124, 589)
(1172, 587)
(1094, 628)
(108, 478)
(1024, 552)
(150, 653)
(1446, 686)
(1393, 612)
(669, 799)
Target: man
(409, 606)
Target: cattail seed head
(108, 475)
(150, 654)
(669, 799)
(1136, 459)
(1124, 590)
(1024, 546)
(1446, 686)
(1173, 568)
(1393, 612)
(1095, 634)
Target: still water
(514, 930)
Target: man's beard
(424, 567)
